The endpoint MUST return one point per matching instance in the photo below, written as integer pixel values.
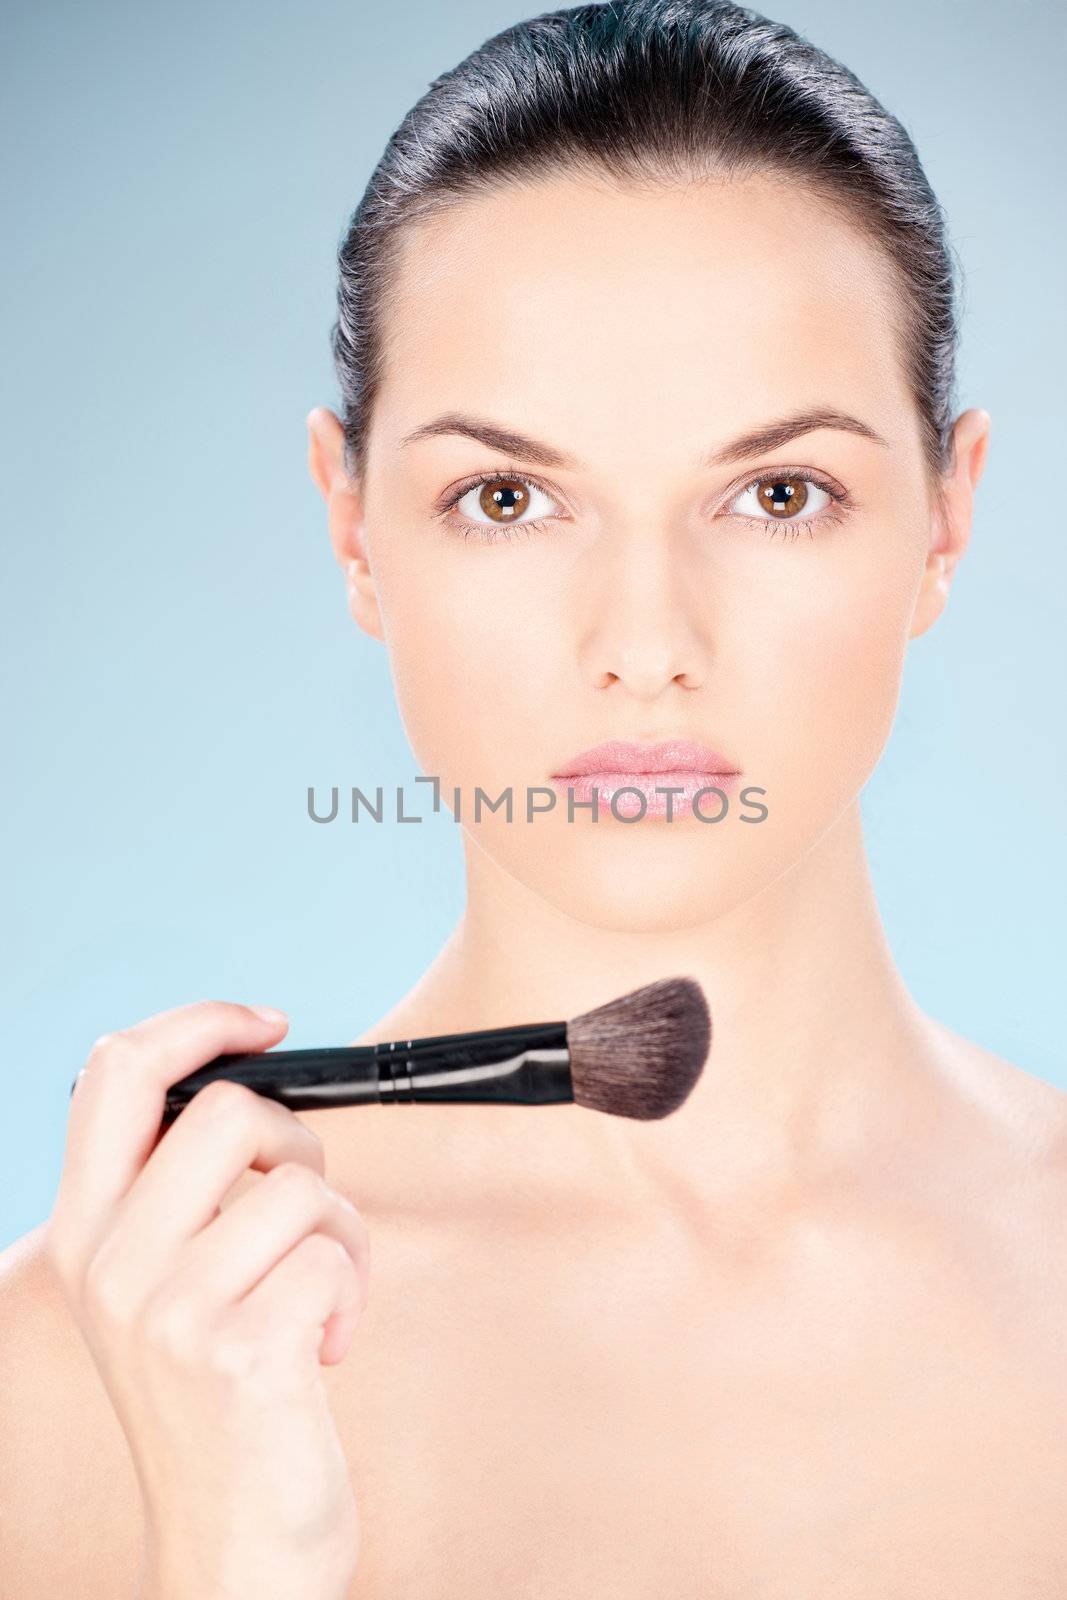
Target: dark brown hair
(647, 91)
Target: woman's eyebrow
(771, 436)
(506, 440)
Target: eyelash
(486, 533)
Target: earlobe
(347, 538)
(933, 593)
(363, 598)
(947, 542)
(951, 519)
(344, 511)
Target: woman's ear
(344, 509)
(950, 523)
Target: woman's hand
(209, 1327)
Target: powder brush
(637, 1056)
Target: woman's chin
(631, 881)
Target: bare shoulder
(69, 1501)
(1024, 1115)
(1012, 1171)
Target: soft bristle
(640, 1055)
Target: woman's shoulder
(69, 1500)
(1004, 1154)
(1023, 1115)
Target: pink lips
(680, 765)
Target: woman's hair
(651, 91)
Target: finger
(225, 1129)
(118, 1102)
(229, 1257)
(315, 1284)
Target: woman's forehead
(578, 297)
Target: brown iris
(504, 499)
(782, 496)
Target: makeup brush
(637, 1056)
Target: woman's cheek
(843, 665)
(457, 653)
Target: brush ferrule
(521, 1066)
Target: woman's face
(659, 578)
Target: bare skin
(848, 1383)
(805, 1335)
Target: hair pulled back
(651, 91)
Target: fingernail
(269, 1013)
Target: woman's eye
(502, 500)
(780, 498)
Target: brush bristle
(640, 1055)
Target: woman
(646, 344)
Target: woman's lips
(683, 787)
(645, 772)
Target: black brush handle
(524, 1065)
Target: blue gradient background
(179, 659)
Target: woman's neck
(817, 1047)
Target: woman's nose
(640, 620)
